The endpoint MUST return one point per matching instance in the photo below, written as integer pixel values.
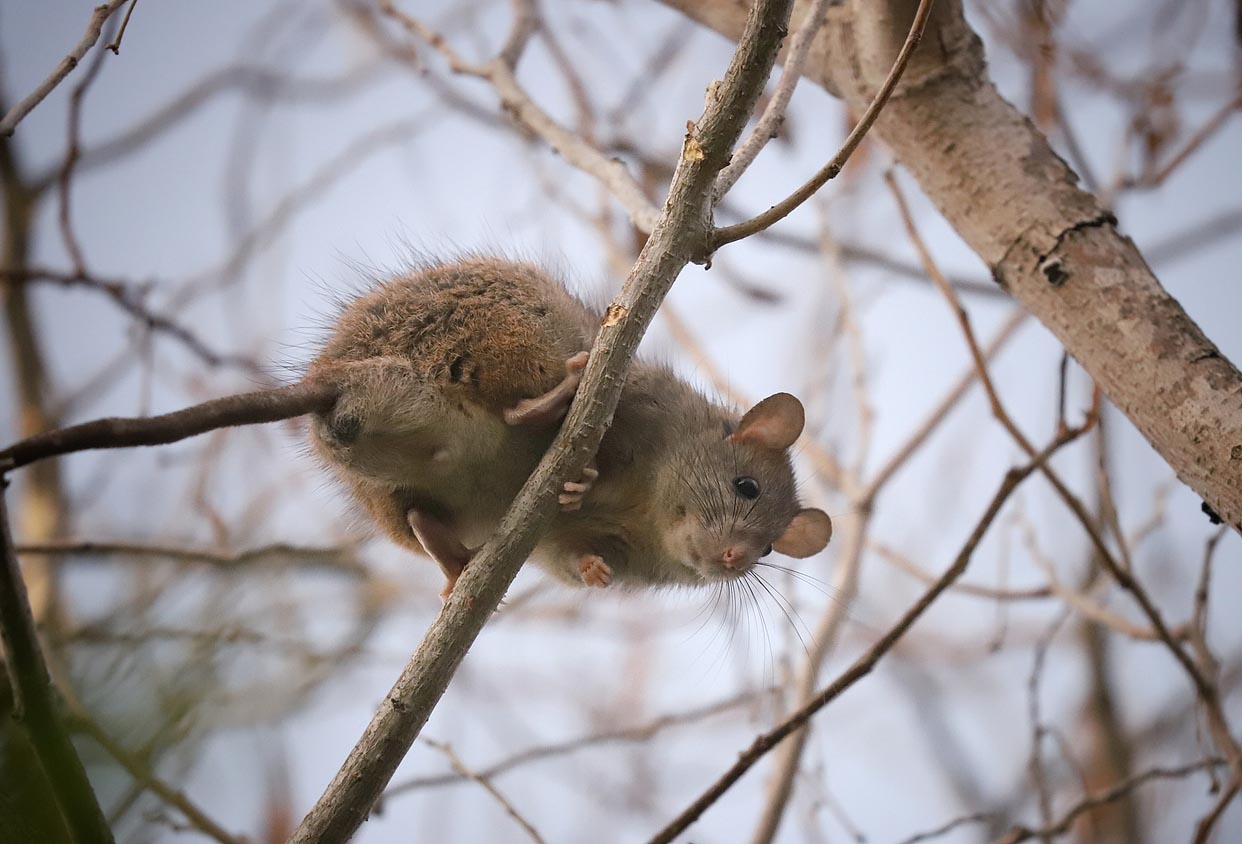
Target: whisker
(787, 609)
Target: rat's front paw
(594, 571)
(571, 498)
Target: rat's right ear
(773, 423)
(807, 534)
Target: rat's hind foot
(442, 545)
(571, 498)
(594, 571)
(552, 405)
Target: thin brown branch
(262, 84)
(93, 28)
(1018, 834)
(37, 707)
(769, 123)
(149, 781)
(901, 561)
(942, 409)
(611, 172)
(64, 182)
(866, 663)
(276, 554)
(243, 409)
(1213, 125)
(129, 298)
(782, 209)
(486, 782)
(677, 237)
(1203, 830)
(639, 733)
(115, 46)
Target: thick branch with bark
(995, 178)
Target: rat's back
(488, 330)
(428, 362)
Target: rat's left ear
(807, 534)
(773, 423)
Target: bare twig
(942, 408)
(67, 64)
(641, 732)
(1203, 830)
(37, 704)
(773, 116)
(782, 209)
(64, 182)
(486, 782)
(115, 46)
(129, 298)
(611, 172)
(678, 236)
(1157, 177)
(911, 568)
(1021, 833)
(149, 781)
(280, 553)
(243, 409)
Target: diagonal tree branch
(680, 233)
(38, 709)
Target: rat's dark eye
(746, 487)
(766, 551)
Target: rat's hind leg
(441, 544)
(551, 406)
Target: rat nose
(732, 557)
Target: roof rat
(454, 378)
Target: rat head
(732, 496)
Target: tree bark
(1051, 245)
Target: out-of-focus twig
(115, 46)
(491, 789)
(148, 780)
(93, 28)
(782, 209)
(37, 704)
(773, 116)
(1018, 834)
(280, 553)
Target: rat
(453, 380)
